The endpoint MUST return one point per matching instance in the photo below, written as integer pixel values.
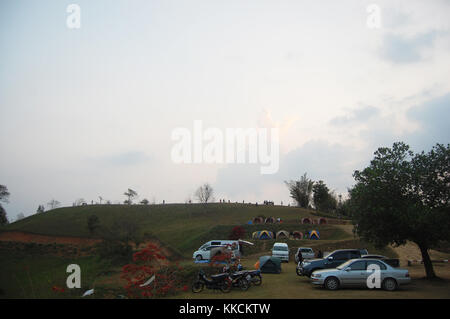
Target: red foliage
(148, 263)
(237, 232)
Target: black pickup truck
(332, 260)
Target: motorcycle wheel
(226, 286)
(257, 280)
(244, 284)
(298, 272)
(197, 286)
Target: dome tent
(282, 234)
(269, 264)
(306, 220)
(258, 220)
(314, 234)
(321, 221)
(297, 235)
(270, 220)
(262, 234)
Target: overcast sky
(89, 112)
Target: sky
(88, 112)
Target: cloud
(131, 158)
(433, 117)
(361, 114)
(401, 49)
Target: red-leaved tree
(151, 274)
(237, 232)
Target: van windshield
(282, 248)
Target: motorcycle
(220, 281)
(254, 277)
(239, 279)
(298, 269)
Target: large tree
(404, 196)
(301, 191)
(324, 199)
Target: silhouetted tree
(131, 194)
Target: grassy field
(30, 270)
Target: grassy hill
(182, 226)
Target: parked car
(307, 253)
(394, 262)
(331, 260)
(203, 253)
(281, 250)
(354, 273)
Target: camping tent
(269, 264)
(258, 220)
(265, 234)
(306, 220)
(321, 221)
(270, 220)
(262, 234)
(282, 234)
(297, 235)
(314, 234)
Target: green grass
(32, 275)
(182, 226)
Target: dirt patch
(410, 251)
(22, 237)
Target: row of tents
(283, 234)
(273, 220)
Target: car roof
(280, 244)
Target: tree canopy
(404, 196)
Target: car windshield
(344, 265)
(282, 248)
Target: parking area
(288, 285)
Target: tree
(3, 217)
(40, 209)
(131, 194)
(301, 191)
(237, 232)
(145, 201)
(53, 204)
(4, 195)
(93, 223)
(324, 200)
(402, 196)
(204, 193)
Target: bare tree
(100, 198)
(204, 193)
(53, 204)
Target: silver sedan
(370, 273)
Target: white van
(281, 250)
(203, 253)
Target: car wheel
(389, 284)
(332, 283)
(198, 257)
